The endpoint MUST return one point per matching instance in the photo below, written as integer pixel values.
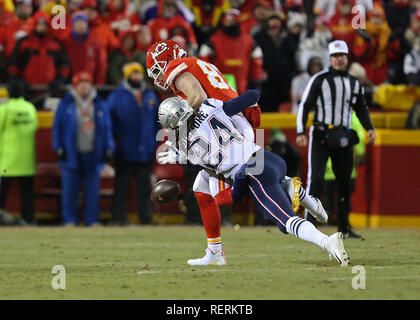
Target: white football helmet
(173, 112)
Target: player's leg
(298, 195)
(272, 201)
(210, 215)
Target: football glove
(172, 155)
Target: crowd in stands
(264, 44)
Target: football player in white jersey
(212, 141)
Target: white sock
(214, 244)
(306, 231)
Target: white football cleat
(335, 247)
(319, 214)
(214, 259)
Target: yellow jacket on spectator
(18, 125)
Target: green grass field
(150, 263)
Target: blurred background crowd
(57, 54)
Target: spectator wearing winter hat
(39, 58)
(341, 23)
(300, 81)
(85, 52)
(98, 28)
(20, 27)
(253, 23)
(169, 22)
(120, 18)
(374, 47)
(296, 23)
(234, 52)
(82, 140)
(317, 45)
(133, 108)
(127, 52)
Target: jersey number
(224, 137)
(215, 78)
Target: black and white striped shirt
(333, 95)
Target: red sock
(210, 214)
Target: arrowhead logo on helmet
(158, 57)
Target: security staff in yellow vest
(18, 125)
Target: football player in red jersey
(196, 80)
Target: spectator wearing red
(127, 52)
(6, 16)
(48, 7)
(341, 23)
(98, 28)
(234, 52)
(260, 11)
(144, 38)
(374, 48)
(39, 58)
(169, 23)
(294, 6)
(120, 18)
(19, 27)
(85, 52)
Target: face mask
(40, 34)
(232, 31)
(274, 25)
(134, 84)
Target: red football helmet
(158, 57)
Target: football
(164, 191)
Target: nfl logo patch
(344, 142)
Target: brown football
(164, 191)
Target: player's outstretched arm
(241, 102)
(192, 89)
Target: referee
(332, 94)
